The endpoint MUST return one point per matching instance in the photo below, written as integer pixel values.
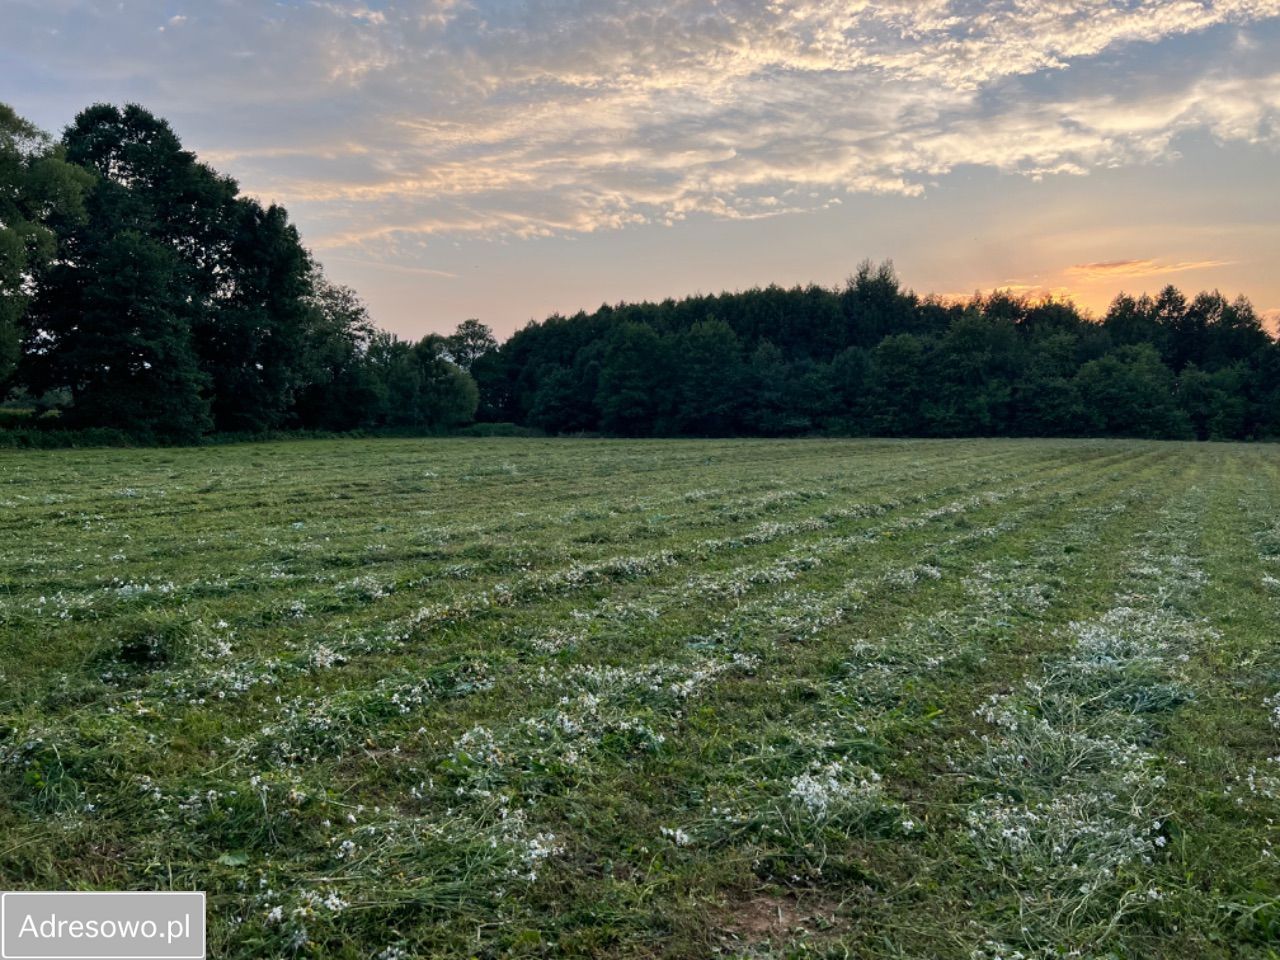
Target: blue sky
(504, 160)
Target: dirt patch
(770, 919)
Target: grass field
(968, 699)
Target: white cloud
(503, 118)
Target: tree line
(140, 291)
(874, 359)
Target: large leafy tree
(447, 396)
(972, 374)
(417, 385)
(634, 385)
(771, 408)
(875, 306)
(711, 378)
(233, 288)
(897, 385)
(1130, 393)
(112, 320)
(38, 187)
(469, 342)
(127, 355)
(342, 392)
(114, 315)
(1046, 399)
(259, 336)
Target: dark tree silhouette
(163, 303)
(166, 305)
(871, 358)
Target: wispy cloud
(393, 123)
(1128, 269)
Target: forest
(143, 296)
(141, 293)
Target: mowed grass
(968, 699)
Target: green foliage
(161, 303)
(633, 395)
(469, 342)
(871, 358)
(1129, 393)
(897, 384)
(769, 410)
(175, 307)
(37, 188)
(265, 337)
(121, 347)
(417, 386)
(711, 379)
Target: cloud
(1127, 269)
(385, 125)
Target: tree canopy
(141, 290)
(158, 300)
(38, 187)
(872, 358)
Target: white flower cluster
(838, 789)
(323, 657)
(676, 836)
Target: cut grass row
(732, 714)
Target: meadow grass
(518, 697)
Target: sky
(508, 159)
